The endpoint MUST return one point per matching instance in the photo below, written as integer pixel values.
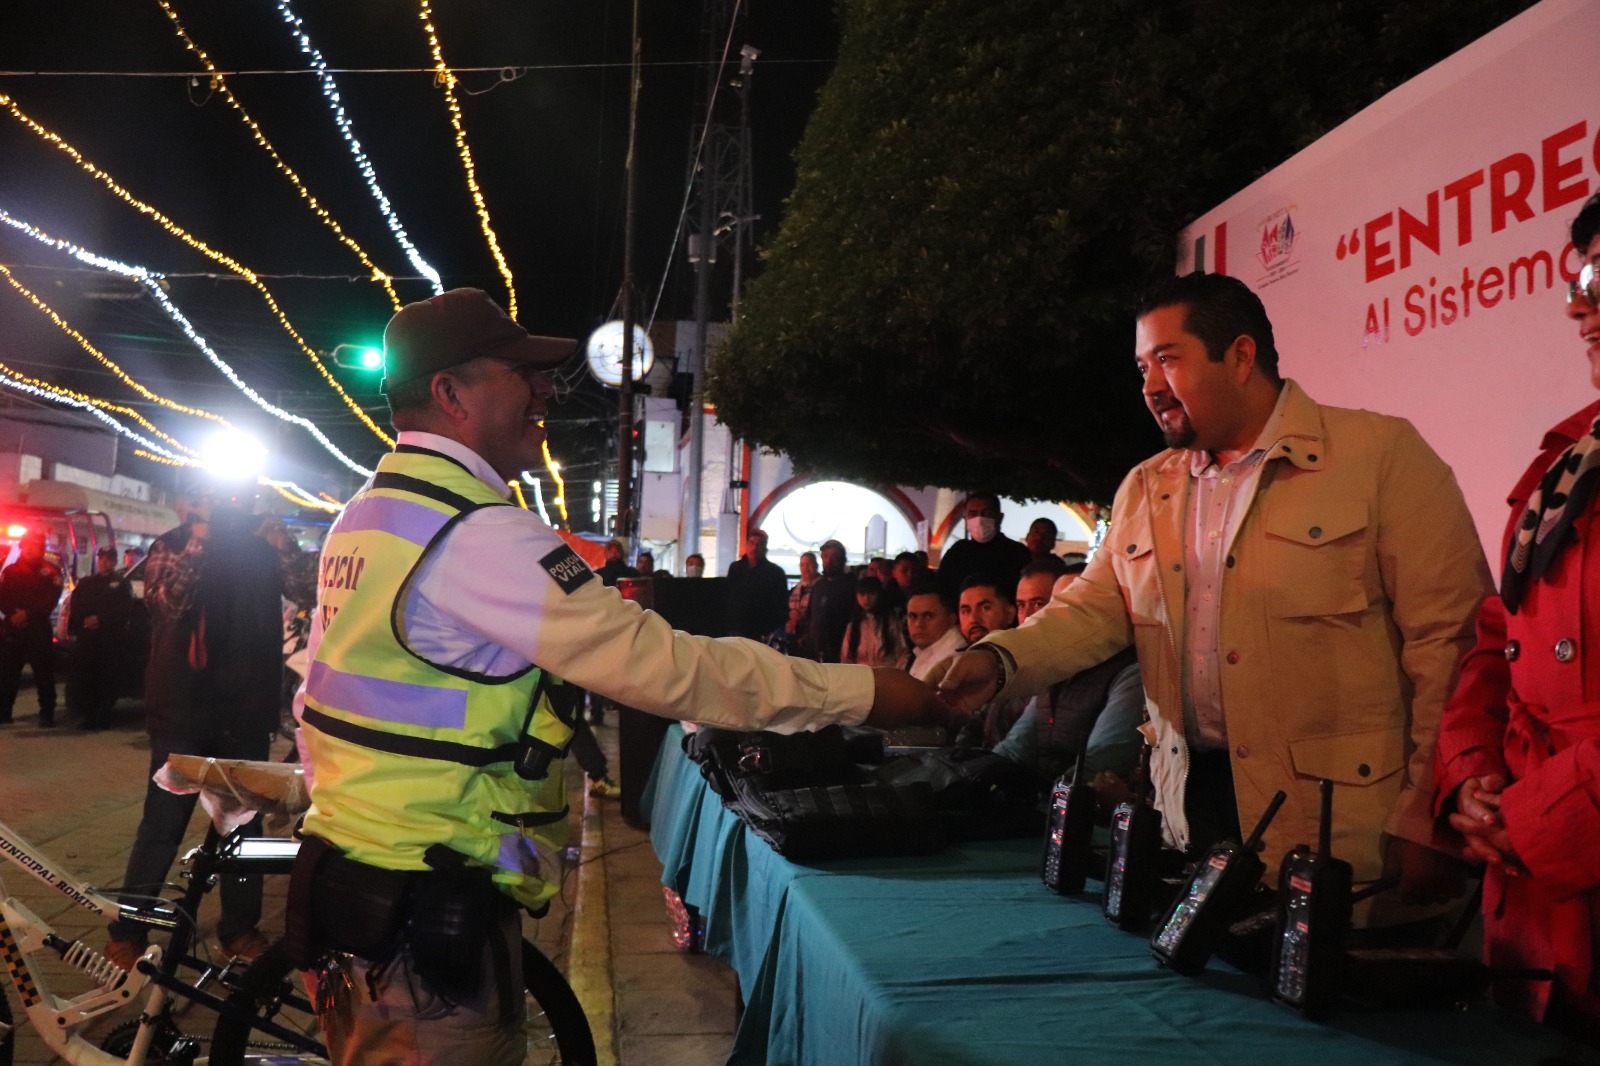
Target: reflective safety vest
(409, 753)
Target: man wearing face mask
(985, 551)
(694, 566)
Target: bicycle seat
(272, 788)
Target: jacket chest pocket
(1317, 560)
(1135, 566)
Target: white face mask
(982, 529)
(693, 571)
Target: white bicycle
(261, 1014)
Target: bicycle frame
(57, 1019)
(24, 934)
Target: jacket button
(1132, 548)
(1177, 567)
(1364, 770)
(1565, 650)
(1513, 651)
(1230, 562)
(1316, 531)
(1312, 457)
(1233, 658)
(1174, 749)
(1242, 752)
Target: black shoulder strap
(406, 483)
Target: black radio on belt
(1070, 828)
(1211, 899)
(1132, 862)
(1314, 907)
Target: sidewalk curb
(589, 960)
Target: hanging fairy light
(151, 283)
(538, 496)
(84, 399)
(198, 245)
(100, 356)
(11, 380)
(330, 90)
(447, 82)
(220, 83)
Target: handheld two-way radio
(1070, 828)
(1132, 862)
(1211, 899)
(1313, 913)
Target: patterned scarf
(1545, 530)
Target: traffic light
(358, 357)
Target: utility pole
(719, 180)
(625, 523)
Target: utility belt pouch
(454, 908)
(354, 907)
(298, 939)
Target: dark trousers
(31, 645)
(1209, 802)
(93, 681)
(166, 817)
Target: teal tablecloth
(964, 958)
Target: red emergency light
(14, 531)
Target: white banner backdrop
(1415, 260)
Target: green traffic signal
(357, 357)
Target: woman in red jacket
(1518, 762)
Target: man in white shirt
(451, 633)
(931, 621)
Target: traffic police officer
(451, 633)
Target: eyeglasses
(1586, 288)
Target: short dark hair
(1075, 568)
(1587, 224)
(1219, 310)
(906, 557)
(410, 399)
(1051, 565)
(929, 587)
(992, 497)
(988, 581)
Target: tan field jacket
(1348, 600)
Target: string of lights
(516, 492)
(21, 383)
(198, 245)
(152, 285)
(295, 494)
(220, 83)
(505, 70)
(538, 496)
(107, 405)
(101, 357)
(330, 90)
(555, 475)
(446, 80)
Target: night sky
(547, 126)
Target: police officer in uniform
(451, 633)
(29, 591)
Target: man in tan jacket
(1300, 582)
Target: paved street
(77, 796)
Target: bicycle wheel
(267, 990)
(558, 1030)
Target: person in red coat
(1518, 759)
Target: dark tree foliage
(985, 188)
